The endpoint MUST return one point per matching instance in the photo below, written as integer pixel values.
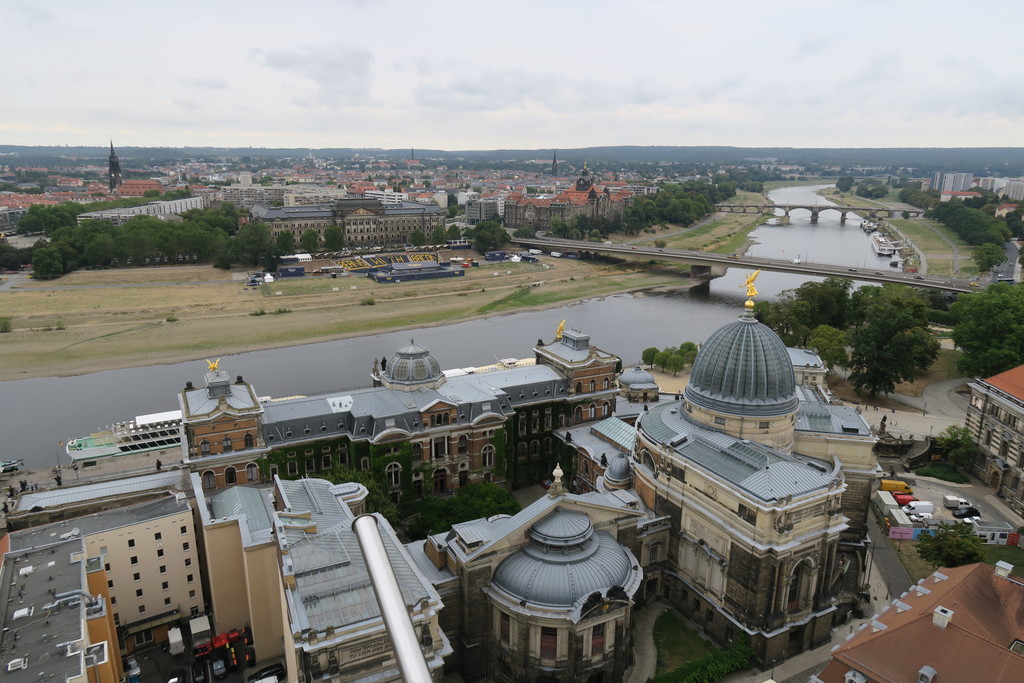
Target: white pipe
(389, 596)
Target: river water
(36, 415)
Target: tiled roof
(1011, 381)
(987, 618)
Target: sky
(554, 74)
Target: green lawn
(677, 643)
(1006, 553)
(918, 568)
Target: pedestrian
(24, 485)
(159, 465)
(10, 492)
(6, 509)
(57, 479)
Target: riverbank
(86, 322)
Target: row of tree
(670, 359)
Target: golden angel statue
(558, 332)
(211, 365)
(749, 284)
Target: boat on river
(145, 433)
(882, 245)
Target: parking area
(158, 667)
(991, 509)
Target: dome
(743, 369)
(412, 364)
(564, 561)
(637, 378)
(619, 473)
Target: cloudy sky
(522, 74)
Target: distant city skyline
(524, 75)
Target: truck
(536, 252)
(175, 643)
(955, 503)
(199, 627)
(556, 254)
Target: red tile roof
(1011, 381)
(987, 618)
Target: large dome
(565, 561)
(412, 365)
(743, 369)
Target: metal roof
(66, 495)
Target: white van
(919, 506)
(955, 503)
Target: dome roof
(619, 472)
(564, 561)
(636, 377)
(412, 364)
(744, 369)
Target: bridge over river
(816, 209)
(708, 265)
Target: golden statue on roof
(558, 332)
(749, 284)
(212, 365)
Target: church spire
(113, 169)
(554, 162)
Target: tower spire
(113, 168)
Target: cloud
(207, 82)
(339, 74)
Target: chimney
(942, 616)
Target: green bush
(711, 667)
(279, 311)
(171, 318)
(5, 324)
(259, 312)
(941, 470)
(368, 301)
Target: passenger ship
(882, 245)
(154, 432)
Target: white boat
(882, 245)
(145, 433)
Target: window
(548, 642)
(230, 475)
(249, 441)
(142, 609)
(597, 639)
(167, 601)
(364, 464)
(763, 424)
(293, 468)
(106, 566)
(131, 542)
(158, 536)
(165, 585)
(310, 465)
(184, 530)
(325, 462)
(204, 447)
(592, 385)
(719, 420)
(163, 569)
(192, 595)
(209, 480)
(463, 445)
(188, 579)
(188, 561)
(487, 455)
(185, 546)
(252, 473)
(159, 552)
(138, 592)
(143, 637)
(135, 559)
(136, 577)
(110, 583)
(506, 628)
(394, 474)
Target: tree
(417, 238)
(844, 183)
(454, 233)
(675, 363)
(252, 244)
(661, 359)
(950, 545)
(892, 344)
(987, 256)
(285, 243)
(648, 356)
(47, 264)
(475, 501)
(310, 241)
(989, 329)
(47, 218)
(488, 236)
(438, 235)
(958, 446)
(377, 499)
(334, 238)
(830, 343)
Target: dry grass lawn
(97, 320)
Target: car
(968, 520)
(964, 513)
(878, 272)
(921, 516)
(852, 270)
(219, 666)
(178, 676)
(199, 672)
(918, 277)
(131, 666)
(276, 670)
(903, 498)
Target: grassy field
(917, 568)
(934, 240)
(770, 185)
(97, 320)
(677, 643)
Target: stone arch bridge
(816, 209)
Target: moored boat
(145, 433)
(882, 245)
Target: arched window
(521, 451)
(579, 387)
(534, 447)
(230, 476)
(252, 473)
(225, 444)
(417, 451)
(445, 418)
(593, 385)
(204, 447)
(606, 409)
(592, 411)
(487, 455)
(605, 382)
(209, 480)
(394, 474)
(578, 415)
(249, 441)
(463, 445)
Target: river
(36, 415)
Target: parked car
(276, 670)
(955, 503)
(964, 513)
(219, 665)
(199, 672)
(919, 506)
(903, 498)
(921, 516)
(131, 666)
(178, 676)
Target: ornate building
(995, 418)
(584, 199)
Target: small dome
(636, 378)
(564, 562)
(412, 364)
(619, 472)
(744, 369)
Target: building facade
(584, 199)
(995, 418)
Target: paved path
(645, 655)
